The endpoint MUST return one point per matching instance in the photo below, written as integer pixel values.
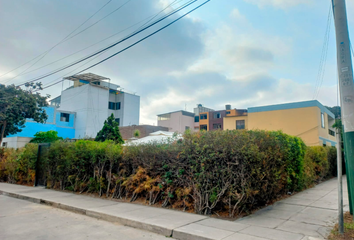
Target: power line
(150, 17)
(112, 45)
(46, 52)
(160, 29)
(323, 59)
(142, 38)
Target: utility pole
(340, 184)
(346, 88)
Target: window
(240, 124)
(4, 144)
(117, 120)
(331, 132)
(204, 127)
(196, 119)
(216, 126)
(64, 117)
(322, 121)
(228, 112)
(112, 105)
(164, 117)
(187, 128)
(203, 116)
(217, 115)
(117, 105)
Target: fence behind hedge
(207, 172)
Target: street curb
(105, 217)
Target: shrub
(221, 170)
(320, 164)
(46, 137)
(9, 164)
(233, 171)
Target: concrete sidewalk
(308, 215)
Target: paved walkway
(308, 215)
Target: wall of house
(91, 106)
(230, 122)
(178, 122)
(131, 109)
(213, 120)
(301, 122)
(204, 121)
(324, 136)
(15, 142)
(64, 129)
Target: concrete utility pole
(340, 185)
(346, 87)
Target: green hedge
(207, 172)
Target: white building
(180, 121)
(93, 99)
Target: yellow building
(309, 120)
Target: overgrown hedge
(207, 172)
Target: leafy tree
(17, 104)
(109, 131)
(46, 137)
(336, 110)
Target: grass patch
(348, 229)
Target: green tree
(336, 110)
(46, 137)
(110, 131)
(17, 104)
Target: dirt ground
(348, 229)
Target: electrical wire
(150, 18)
(112, 45)
(136, 41)
(67, 74)
(46, 52)
(323, 59)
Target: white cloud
(279, 3)
(235, 14)
(238, 53)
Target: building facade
(80, 110)
(309, 120)
(178, 121)
(58, 120)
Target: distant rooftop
(311, 103)
(182, 111)
(90, 77)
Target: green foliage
(46, 137)
(17, 104)
(320, 163)
(336, 110)
(136, 133)
(234, 171)
(110, 131)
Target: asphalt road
(20, 219)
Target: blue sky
(240, 52)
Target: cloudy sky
(240, 52)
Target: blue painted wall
(64, 129)
(65, 124)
